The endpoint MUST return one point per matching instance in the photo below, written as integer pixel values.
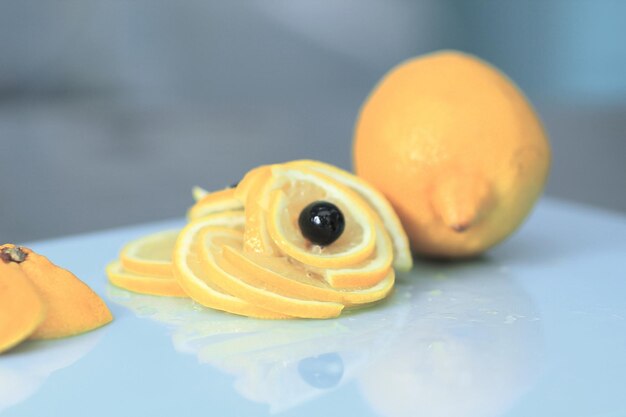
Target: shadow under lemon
(33, 362)
(443, 330)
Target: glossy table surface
(535, 328)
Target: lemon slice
(367, 273)
(251, 181)
(282, 198)
(254, 188)
(403, 260)
(294, 279)
(143, 284)
(355, 244)
(150, 255)
(194, 279)
(198, 193)
(227, 276)
(215, 202)
(243, 251)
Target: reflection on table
(33, 362)
(452, 340)
(471, 348)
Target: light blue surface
(536, 328)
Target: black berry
(321, 222)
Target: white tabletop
(535, 328)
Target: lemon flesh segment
(143, 284)
(403, 260)
(283, 227)
(215, 202)
(150, 255)
(196, 283)
(227, 276)
(293, 279)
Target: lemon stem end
(461, 201)
(13, 254)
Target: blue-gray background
(111, 110)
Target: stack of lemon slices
(246, 250)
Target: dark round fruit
(321, 222)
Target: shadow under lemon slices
(452, 340)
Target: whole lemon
(456, 148)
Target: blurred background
(111, 110)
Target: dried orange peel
(259, 249)
(21, 307)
